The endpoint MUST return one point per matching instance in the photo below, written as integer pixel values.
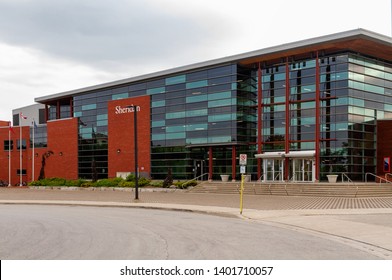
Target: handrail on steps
(269, 186)
(287, 182)
(350, 181)
(378, 177)
(260, 181)
(194, 179)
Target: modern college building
(299, 111)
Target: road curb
(216, 210)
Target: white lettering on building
(128, 109)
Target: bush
(114, 182)
(185, 185)
(87, 184)
(75, 183)
(141, 182)
(35, 183)
(126, 184)
(157, 184)
(130, 178)
(50, 182)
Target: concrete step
(297, 189)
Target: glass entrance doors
(273, 169)
(300, 166)
(301, 170)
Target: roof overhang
(292, 154)
(359, 40)
(301, 154)
(276, 155)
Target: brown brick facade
(121, 135)
(62, 143)
(14, 136)
(384, 146)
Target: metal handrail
(285, 186)
(375, 176)
(269, 186)
(194, 179)
(350, 181)
(260, 181)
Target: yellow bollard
(242, 193)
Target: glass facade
(354, 92)
(40, 136)
(189, 113)
(194, 111)
(336, 99)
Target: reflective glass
(175, 80)
(155, 90)
(197, 84)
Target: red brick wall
(121, 135)
(15, 154)
(384, 145)
(63, 142)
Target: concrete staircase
(297, 189)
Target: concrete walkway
(364, 223)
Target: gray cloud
(104, 34)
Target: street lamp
(135, 151)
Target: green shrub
(35, 183)
(74, 183)
(87, 184)
(185, 185)
(156, 184)
(141, 182)
(130, 178)
(126, 184)
(52, 182)
(114, 182)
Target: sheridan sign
(125, 110)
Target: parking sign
(243, 158)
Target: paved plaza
(181, 197)
(364, 223)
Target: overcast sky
(51, 46)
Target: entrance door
(302, 170)
(273, 169)
(198, 168)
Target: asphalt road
(78, 233)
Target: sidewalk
(364, 223)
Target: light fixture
(61, 154)
(118, 151)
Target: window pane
(175, 80)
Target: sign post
(242, 193)
(243, 159)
